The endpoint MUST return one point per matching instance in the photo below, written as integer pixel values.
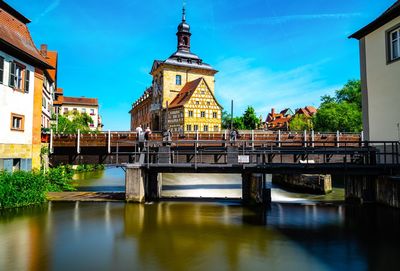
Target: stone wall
(309, 183)
(388, 191)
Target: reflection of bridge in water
(253, 155)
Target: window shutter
(27, 77)
(11, 83)
(1, 69)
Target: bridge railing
(364, 153)
(108, 139)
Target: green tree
(71, 122)
(345, 117)
(300, 123)
(238, 123)
(342, 112)
(226, 120)
(250, 119)
(350, 93)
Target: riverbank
(22, 188)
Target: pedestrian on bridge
(147, 134)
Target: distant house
(307, 111)
(89, 106)
(379, 44)
(278, 121)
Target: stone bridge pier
(142, 185)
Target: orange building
(278, 121)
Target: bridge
(253, 155)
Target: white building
(89, 106)
(21, 78)
(49, 87)
(380, 75)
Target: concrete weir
(309, 183)
(143, 185)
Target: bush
(60, 179)
(89, 167)
(22, 188)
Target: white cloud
(263, 89)
(49, 9)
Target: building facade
(49, 87)
(83, 105)
(171, 77)
(195, 109)
(21, 81)
(140, 112)
(379, 44)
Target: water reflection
(198, 236)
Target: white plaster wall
(79, 109)
(383, 82)
(12, 101)
(47, 112)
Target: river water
(199, 235)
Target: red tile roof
(14, 34)
(186, 92)
(52, 57)
(80, 101)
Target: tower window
(178, 80)
(185, 41)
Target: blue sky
(269, 53)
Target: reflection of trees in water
(176, 236)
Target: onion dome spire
(184, 33)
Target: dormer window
(178, 80)
(394, 44)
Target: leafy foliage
(89, 167)
(73, 121)
(301, 123)
(226, 120)
(342, 112)
(250, 119)
(60, 179)
(23, 188)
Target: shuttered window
(1, 69)
(27, 77)
(12, 80)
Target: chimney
(273, 112)
(43, 49)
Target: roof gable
(16, 38)
(390, 14)
(186, 93)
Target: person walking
(147, 134)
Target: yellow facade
(201, 112)
(167, 74)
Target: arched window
(178, 80)
(185, 41)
